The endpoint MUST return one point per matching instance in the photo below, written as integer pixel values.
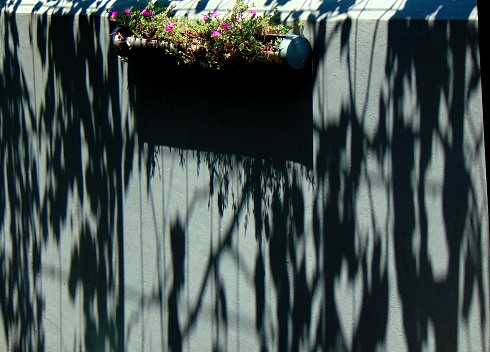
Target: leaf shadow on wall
(42, 145)
(428, 299)
(252, 119)
(260, 111)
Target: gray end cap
(295, 51)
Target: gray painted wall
(152, 207)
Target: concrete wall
(150, 207)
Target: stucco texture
(146, 206)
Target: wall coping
(311, 11)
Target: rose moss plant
(212, 40)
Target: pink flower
(216, 34)
(225, 26)
(146, 13)
(127, 12)
(205, 18)
(114, 15)
(215, 14)
(253, 12)
(170, 27)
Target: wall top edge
(304, 10)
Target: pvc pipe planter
(294, 50)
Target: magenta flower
(205, 18)
(225, 26)
(216, 34)
(127, 12)
(253, 12)
(170, 27)
(114, 15)
(146, 13)
(215, 14)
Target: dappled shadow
(65, 147)
(21, 303)
(351, 210)
(411, 147)
(441, 81)
(410, 142)
(413, 143)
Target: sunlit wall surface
(148, 207)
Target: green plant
(215, 39)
